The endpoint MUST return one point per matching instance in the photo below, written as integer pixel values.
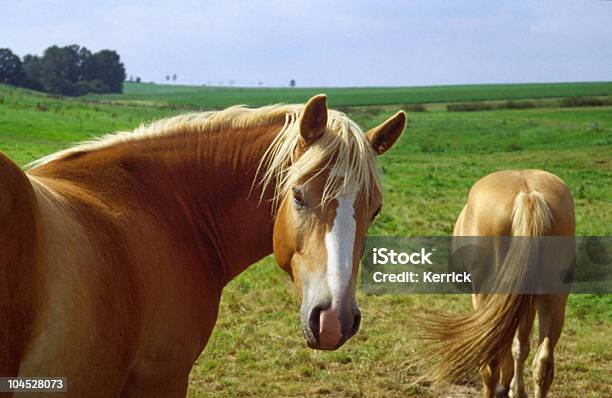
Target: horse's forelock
(343, 147)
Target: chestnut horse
(115, 252)
(496, 336)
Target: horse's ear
(314, 119)
(383, 137)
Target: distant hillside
(219, 97)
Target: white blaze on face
(339, 243)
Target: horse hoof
(501, 392)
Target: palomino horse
(115, 252)
(496, 336)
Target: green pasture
(257, 348)
(219, 97)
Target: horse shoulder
(19, 295)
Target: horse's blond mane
(235, 117)
(342, 147)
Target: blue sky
(328, 43)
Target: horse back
(491, 203)
(19, 293)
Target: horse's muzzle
(328, 329)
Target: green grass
(219, 97)
(257, 348)
(33, 124)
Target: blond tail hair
(457, 345)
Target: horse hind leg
(506, 374)
(490, 377)
(513, 362)
(520, 352)
(490, 373)
(551, 314)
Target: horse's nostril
(356, 323)
(314, 321)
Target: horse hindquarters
(19, 291)
(529, 203)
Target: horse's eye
(298, 197)
(376, 213)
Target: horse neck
(218, 194)
(199, 186)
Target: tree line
(71, 70)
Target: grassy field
(216, 97)
(257, 348)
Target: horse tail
(18, 253)
(458, 345)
